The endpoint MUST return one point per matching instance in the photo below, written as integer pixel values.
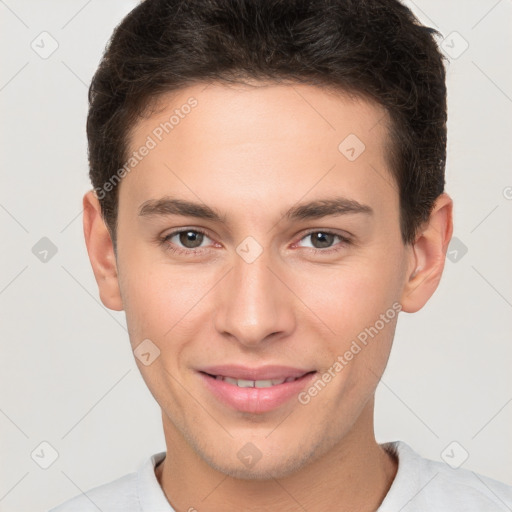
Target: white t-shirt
(420, 485)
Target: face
(291, 265)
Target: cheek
(158, 297)
(350, 295)
(357, 304)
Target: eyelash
(164, 241)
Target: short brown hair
(373, 48)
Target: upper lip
(258, 373)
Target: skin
(252, 152)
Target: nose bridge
(254, 304)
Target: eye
(321, 241)
(184, 241)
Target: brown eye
(325, 241)
(184, 239)
(190, 239)
(321, 240)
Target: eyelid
(185, 229)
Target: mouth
(263, 383)
(234, 388)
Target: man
(268, 197)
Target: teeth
(242, 383)
(228, 379)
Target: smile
(243, 383)
(255, 396)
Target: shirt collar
(151, 495)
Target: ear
(428, 256)
(101, 253)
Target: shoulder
(120, 494)
(422, 484)
(133, 492)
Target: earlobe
(101, 253)
(428, 257)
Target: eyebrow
(170, 206)
(312, 210)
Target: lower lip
(255, 400)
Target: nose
(254, 305)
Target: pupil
(191, 239)
(324, 239)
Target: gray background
(67, 375)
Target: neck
(355, 474)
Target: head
(311, 138)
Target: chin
(269, 466)
(260, 471)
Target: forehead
(262, 141)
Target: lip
(261, 373)
(256, 400)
